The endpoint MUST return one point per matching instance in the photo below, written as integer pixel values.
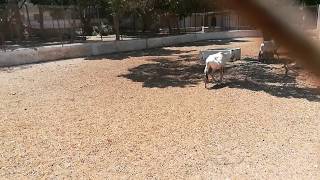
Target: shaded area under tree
(247, 74)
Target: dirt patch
(147, 115)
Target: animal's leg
(207, 71)
(206, 80)
(213, 79)
(277, 54)
(212, 71)
(286, 68)
(221, 74)
(260, 56)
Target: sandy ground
(147, 115)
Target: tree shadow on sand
(166, 51)
(283, 91)
(163, 73)
(269, 78)
(219, 42)
(248, 74)
(159, 52)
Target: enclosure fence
(32, 25)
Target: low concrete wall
(43, 54)
(171, 40)
(52, 53)
(18, 57)
(131, 45)
(226, 35)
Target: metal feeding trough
(206, 53)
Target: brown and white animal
(268, 50)
(216, 62)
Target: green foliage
(117, 6)
(185, 8)
(140, 7)
(147, 10)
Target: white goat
(216, 62)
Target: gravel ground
(147, 115)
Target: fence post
(2, 41)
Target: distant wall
(53, 53)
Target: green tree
(84, 9)
(14, 18)
(117, 8)
(185, 8)
(3, 20)
(41, 4)
(144, 9)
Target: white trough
(206, 53)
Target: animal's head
(202, 57)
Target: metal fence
(30, 25)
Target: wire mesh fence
(29, 25)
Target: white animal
(216, 62)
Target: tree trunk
(60, 32)
(134, 24)
(144, 23)
(4, 23)
(116, 25)
(41, 22)
(195, 22)
(73, 24)
(64, 22)
(2, 40)
(87, 29)
(184, 24)
(100, 24)
(86, 22)
(28, 17)
(178, 25)
(169, 24)
(18, 22)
